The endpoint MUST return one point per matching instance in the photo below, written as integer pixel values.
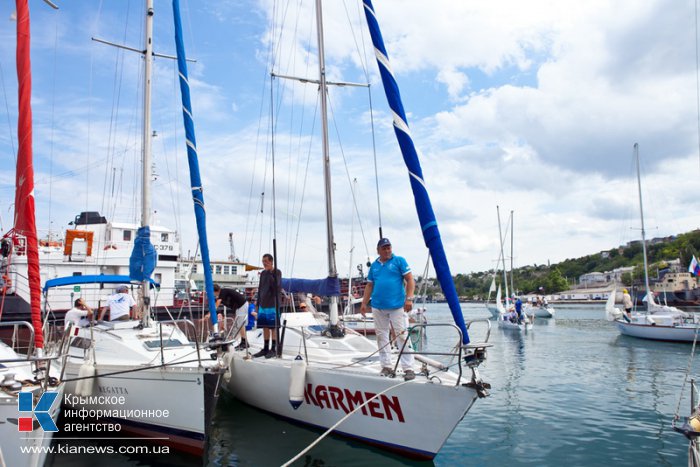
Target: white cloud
(532, 106)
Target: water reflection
(245, 436)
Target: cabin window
(127, 235)
(234, 270)
(158, 277)
(194, 269)
(226, 270)
(164, 237)
(218, 269)
(77, 273)
(211, 268)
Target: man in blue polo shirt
(390, 286)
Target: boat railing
(42, 364)
(15, 339)
(471, 354)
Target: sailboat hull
(540, 311)
(188, 402)
(659, 332)
(168, 397)
(508, 325)
(395, 421)
(412, 418)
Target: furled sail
(25, 217)
(429, 227)
(328, 287)
(192, 160)
(143, 258)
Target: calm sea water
(571, 392)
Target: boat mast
(349, 309)
(332, 268)
(512, 287)
(650, 297)
(146, 144)
(503, 257)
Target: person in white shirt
(120, 305)
(79, 312)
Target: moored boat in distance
(659, 322)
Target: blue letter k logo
(41, 411)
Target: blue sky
(534, 107)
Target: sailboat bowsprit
(342, 385)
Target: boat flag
(694, 267)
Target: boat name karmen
(331, 397)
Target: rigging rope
(687, 372)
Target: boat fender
(86, 385)
(694, 422)
(297, 381)
(227, 364)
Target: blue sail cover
(431, 234)
(90, 279)
(192, 161)
(328, 287)
(143, 257)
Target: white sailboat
(333, 381)
(508, 319)
(146, 375)
(659, 322)
(544, 310)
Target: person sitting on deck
(78, 314)
(120, 305)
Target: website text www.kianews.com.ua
(63, 448)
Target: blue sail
(143, 258)
(195, 179)
(431, 234)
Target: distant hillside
(564, 275)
